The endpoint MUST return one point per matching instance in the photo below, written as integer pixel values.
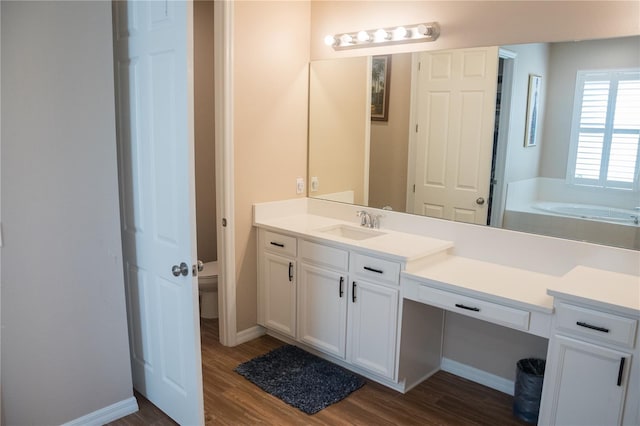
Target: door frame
(500, 189)
(225, 212)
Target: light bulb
(399, 33)
(423, 30)
(345, 39)
(329, 40)
(381, 35)
(363, 36)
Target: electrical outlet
(314, 183)
(299, 185)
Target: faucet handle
(365, 219)
(375, 220)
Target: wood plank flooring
(229, 399)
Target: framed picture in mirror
(533, 110)
(380, 86)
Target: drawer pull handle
(620, 371)
(592, 327)
(353, 292)
(290, 271)
(340, 291)
(273, 243)
(377, 271)
(468, 308)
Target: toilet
(208, 290)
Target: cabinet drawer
(373, 268)
(324, 255)
(279, 243)
(481, 309)
(596, 325)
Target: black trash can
(528, 389)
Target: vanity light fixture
(385, 36)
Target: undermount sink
(351, 232)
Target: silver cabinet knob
(480, 201)
(181, 269)
(200, 265)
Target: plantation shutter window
(605, 136)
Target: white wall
(521, 162)
(65, 350)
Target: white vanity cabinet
(277, 288)
(348, 306)
(330, 298)
(373, 314)
(590, 368)
(322, 298)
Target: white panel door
(373, 318)
(454, 142)
(153, 44)
(322, 307)
(586, 384)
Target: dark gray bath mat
(300, 379)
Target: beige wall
(271, 57)
(204, 130)
(338, 120)
(390, 141)
(474, 23)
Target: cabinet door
(373, 312)
(279, 294)
(586, 384)
(322, 309)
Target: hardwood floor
(229, 399)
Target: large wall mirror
(541, 138)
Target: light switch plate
(299, 185)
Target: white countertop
(502, 284)
(610, 290)
(434, 264)
(399, 245)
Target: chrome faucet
(365, 218)
(368, 220)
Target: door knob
(480, 201)
(181, 269)
(200, 265)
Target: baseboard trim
(479, 376)
(249, 334)
(107, 414)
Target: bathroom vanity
(375, 301)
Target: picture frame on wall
(533, 111)
(380, 87)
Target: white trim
(504, 132)
(107, 414)
(367, 133)
(478, 376)
(250, 334)
(413, 135)
(223, 69)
